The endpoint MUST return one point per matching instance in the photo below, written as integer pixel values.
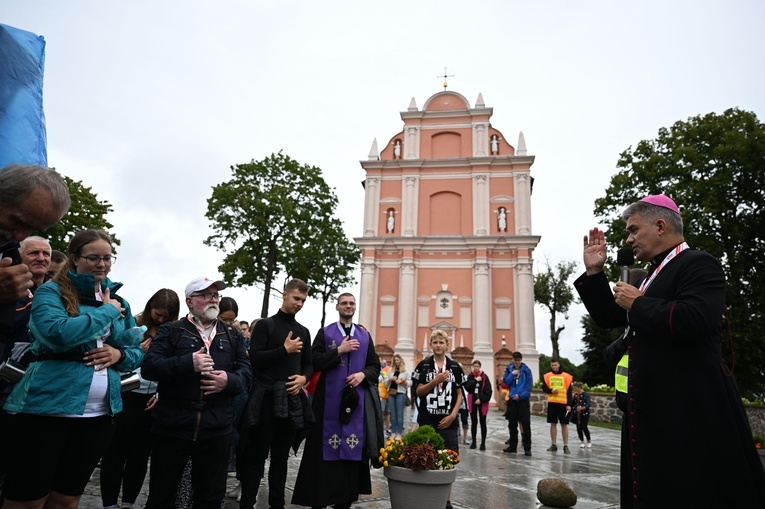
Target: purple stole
(343, 441)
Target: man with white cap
(200, 364)
(685, 436)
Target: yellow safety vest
(622, 369)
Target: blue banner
(22, 121)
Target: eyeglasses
(94, 259)
(208, 296)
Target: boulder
(555, 493)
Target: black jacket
(182, 410)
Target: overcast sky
(149, 102)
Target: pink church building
(447, 240)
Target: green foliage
(87, 211)
(422, 435)
(553, 291)
(713, 166)
(276, 216)
(328, 269)
(421, 449)
(565, 365)
(595, 369)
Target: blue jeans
(397, 403)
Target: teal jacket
(61, 386)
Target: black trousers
(126, 462)
(274, 437)
(519, 411)
(475, 415)
(208, 474)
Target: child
(439, 382)
(581, 414)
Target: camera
(129, 381)
(11, 250)
(12, 371)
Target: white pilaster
(482, 307)
(522, 204)
(409, 206)
(371, 210)
(480, 142)
(480, 204)
(406, 306)
(367, 289)
(412, 142)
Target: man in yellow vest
(557, 386)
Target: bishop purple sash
(343, 441)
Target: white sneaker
(582, 446)
(589, 445)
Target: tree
(713, 166)
(595, 369)
(328, 269)
(275, 216)
(553, 291)
(86, 211)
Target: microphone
(625, 257)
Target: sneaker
(507, 442)
(235, 492)
(482, 448)
(508, 449)
(449, 505)
(552, 448)
(589, 445)
(472, 446)
(527, 453)
(581, 446)
(565, 450)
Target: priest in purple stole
(348, 431)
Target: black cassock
(686, 440)
(325, 483)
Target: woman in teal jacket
(63, 408)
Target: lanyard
(439, 371)
(667, 259)
(646, 282)
(207, 340)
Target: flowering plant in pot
(421, 449)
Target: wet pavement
(487, 479)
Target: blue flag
(22, 120)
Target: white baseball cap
(203, 283)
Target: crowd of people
(191, 397)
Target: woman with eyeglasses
(63, 409)
(125, 463)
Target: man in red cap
(684, 427)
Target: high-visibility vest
(620, 376)
(560, 381)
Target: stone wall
(603, 409)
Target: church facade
(447, 241)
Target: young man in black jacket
(278, 407)
(200, 364)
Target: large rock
(555, 493)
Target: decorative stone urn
(421, 489)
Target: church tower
(447, 240)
